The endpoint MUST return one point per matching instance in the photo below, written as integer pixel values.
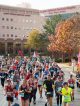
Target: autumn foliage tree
(67, 36)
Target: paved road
(41, 102)
(69, 70)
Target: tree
(37, 40)
(67, 36)
(51, 23)
(33, 41)
(44, 41)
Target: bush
(59, 60)
(67, 59)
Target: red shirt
(71, 81)
(14, 67)
(28, 76)
(9, 88)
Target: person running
(78, 79)
(40, 85)
(58, 87)
(51, 69)
(71, 83)
(9, 92)
(16, 81)
(46, 72)
(2, 78)
(48, 85)
(66, 94)
(24, 92)
(33, 87)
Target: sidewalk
(68, 70)
(65, 65)
(72, 70)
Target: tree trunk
(70, 56)
(62, 57)
(30, 51)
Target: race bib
(59, 89)
(67, 98)
(30, 89)
(51, 70)
(9, 93)
(71, 85)
(22, 94)
(15, 83)
(40, 82)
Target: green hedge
(59, 60)
(67, 59)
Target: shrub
(59, 60)
(67, 59)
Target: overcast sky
(42, 4)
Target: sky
(42, 4)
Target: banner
(20, 53)
(79, 58)
(78, 66)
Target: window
(3, 19)
(3, 35)
(11, 27)
(7, 35)
(3, 27)
(11, 35)
(7, 19)
(15, 35)
(11, 19)
(7, 27)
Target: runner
(33, 87)
(51, 69)
(16, 81)
(66, 93)
(78, 79)
(48, 85)
(58, 88)
(71, 83)
(24, 92)
(2, 78)
(9, 92)
(40, 85)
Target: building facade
(63, 10)
(15, 25)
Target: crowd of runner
(26, 77)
